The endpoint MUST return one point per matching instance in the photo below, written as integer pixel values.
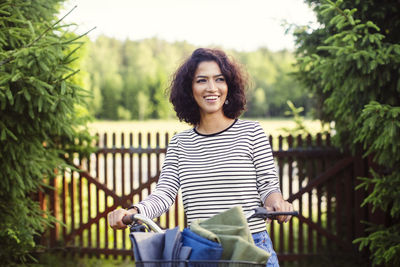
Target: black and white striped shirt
(216, 172)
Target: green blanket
(231, 230)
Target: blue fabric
(147, 246)
(263, 241)
(202, 248)
(173, 244)
(159, 246)
(185, 253)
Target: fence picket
(349, 208)
(123, 177)
(281, 167)
(319, 169)
(131, 162)
(53, 208)
(329, 215)
(72, 201)
(141, 196)
(309, 176)
(114, 186)
(97, 196)
(300, 181)
(339, 203)
(358, 170)
(148, 155)
(290, 174)
(80, 201)
(63, 205)
(105, 156)
(89, 203)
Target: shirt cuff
(277, 190)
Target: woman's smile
(211, 98)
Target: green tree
(271, 72)
(259, 105)
(146, 66)
(106, 83)
(83, 78)
(111, 93)
(351, 64)
(40, 117)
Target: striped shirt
(216, 172)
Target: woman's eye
(201, 81)
(220, 79)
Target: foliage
(384, 242)
(381, 131)
(129, 78)
(42, 117)
(380, 134)
(351, 65)
(300, 128)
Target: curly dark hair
(181, 93)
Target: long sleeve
(163, 196)
(267, 177)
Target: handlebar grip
(278, 213)
(262, 212)
(128, 219)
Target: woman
(223, 161)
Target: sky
(244, 25)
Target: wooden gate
(315, 177)
(320, 182)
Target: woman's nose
(211, 86)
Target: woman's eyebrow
(204, 76)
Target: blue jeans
(263, 241)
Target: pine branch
(49, 28)
(7, 60)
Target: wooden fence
(318, 179)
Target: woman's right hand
(115, 217)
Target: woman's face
(209, 88)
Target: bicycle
(140, 223)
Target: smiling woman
(222, 162)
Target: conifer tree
(39, 121)
(351, 64)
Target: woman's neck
(213, 123)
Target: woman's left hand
(275, 202)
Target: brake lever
(137, 227)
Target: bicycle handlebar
(259, 212)
(129, 219)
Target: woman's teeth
(211, 97)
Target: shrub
(39, 122)
(351, 64)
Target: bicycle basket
(203, 263)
